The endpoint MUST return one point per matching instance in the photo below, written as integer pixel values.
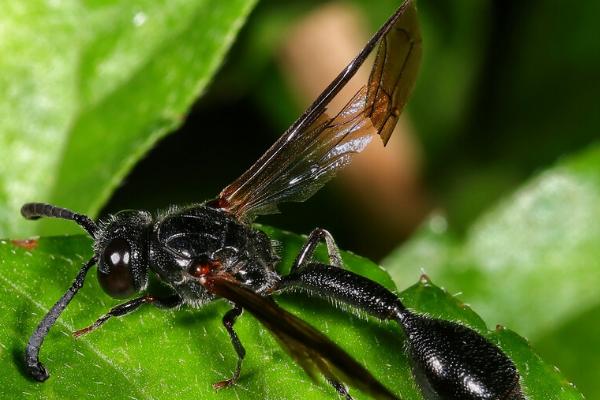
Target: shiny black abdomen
(184, 237)
(453, 362)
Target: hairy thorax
(186, 240)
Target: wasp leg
(228, 321)
(129, 307)
(32, 352)
(318, 235)
(341, 285)
(340, 388)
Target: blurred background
(507, 89)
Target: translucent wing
(317, 145)
(312, 350)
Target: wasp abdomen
(450, 361)
(453, 362)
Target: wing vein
(316, 146)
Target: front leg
(32, 352)
(318, 235)
(129, 307)
(228, 321)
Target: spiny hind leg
(318, 235)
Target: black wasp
(210, 250)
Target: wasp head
(121, 247)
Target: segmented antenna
(37, 210)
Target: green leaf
(532, 263)
(178, 354)
(88, 88)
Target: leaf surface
(155, 354)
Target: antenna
(37, 210)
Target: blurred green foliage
(89, 88)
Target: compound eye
(118, 282)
